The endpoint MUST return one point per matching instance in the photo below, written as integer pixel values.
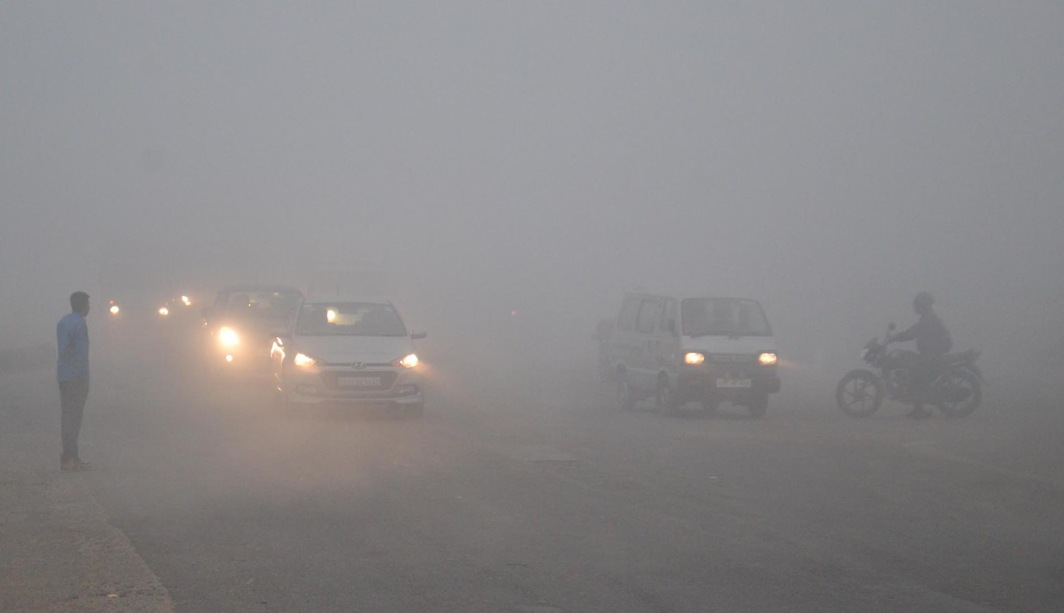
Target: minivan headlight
(694, 358)
(767, 359)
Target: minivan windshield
(349, 319)
(723, 317)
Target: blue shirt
(72, 334)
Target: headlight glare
(694, 358)
(303, 360)
(767, 359)
(409, 361)
(228, 336)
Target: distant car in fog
(348, 351)
(682, 348)
(241, 323)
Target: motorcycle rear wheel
(859, 393)
(960, 393)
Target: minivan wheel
(665, 398)
(625, 395)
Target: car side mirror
(418, 335)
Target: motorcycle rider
(932, 343)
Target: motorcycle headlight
(767, 359)
(228, 337)
(409, 361)
(694, 358)
(303, 360)
(114, 309)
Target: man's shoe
(82, 465)
(918, 412)
(69, 465)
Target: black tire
(625, 395)
(859, 393)
(958, 393)
(665, 397)
(758, 406)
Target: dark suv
(242, 323)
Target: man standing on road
(932, 342)
(72, 369)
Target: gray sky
(829, 159)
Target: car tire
(758, 406)
(625, 395)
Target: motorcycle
(956, 389)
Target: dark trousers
(72, 396)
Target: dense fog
(510, 169)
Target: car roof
(686, 295)
(259, 287)
(337, 298)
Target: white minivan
(678, 348)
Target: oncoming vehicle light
(114, 309)
(164, 311)
(767, 359)
(228, 336)
(302, 359)
(186, 300)
(409, 361)
(330, 315)
(693, 358)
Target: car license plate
(359, 381)
(729, 382)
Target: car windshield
(262, 304)
(723, 317)
(349, 319)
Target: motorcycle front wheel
(860, 393)
(958, 393)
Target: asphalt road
(522, 489)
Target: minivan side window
(629, 310)
(649, 315)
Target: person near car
(932, 343)
(72, 370)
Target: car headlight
(408, 361)
(186, 300)
(164, 311)
(694, 358)
(302, 360)
(114, 309)
(767, 359)
(228, 336)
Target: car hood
(732, 345)
(349, 349)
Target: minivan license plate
(729, 382)
(359, 381)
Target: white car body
(354, 366)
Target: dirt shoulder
(57, 550)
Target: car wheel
(624, 392)
(758, 406)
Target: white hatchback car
(348, 351)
